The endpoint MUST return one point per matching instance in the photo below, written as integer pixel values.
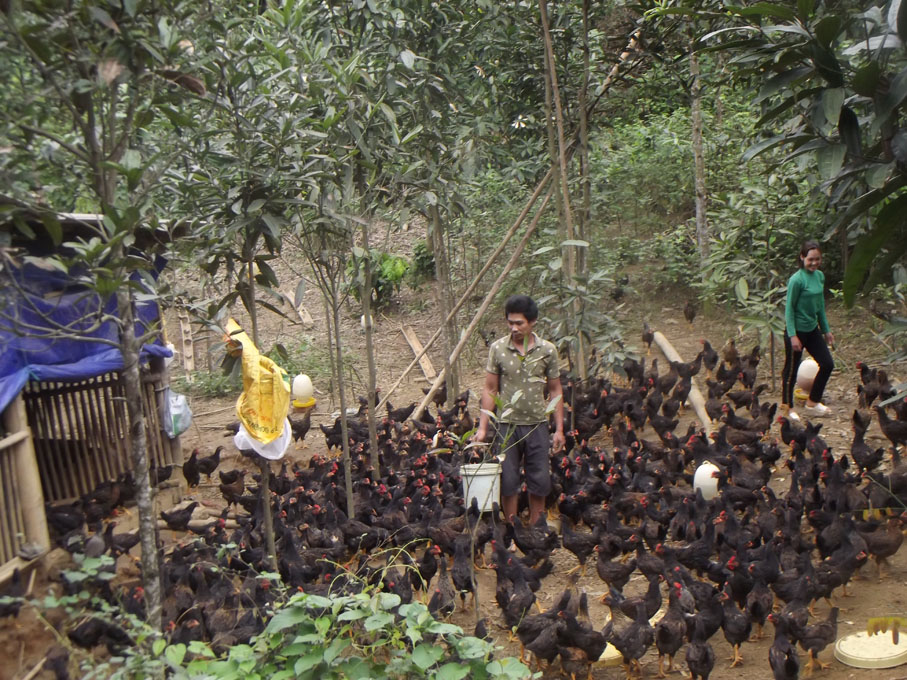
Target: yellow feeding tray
(862, 650)
(308, 403)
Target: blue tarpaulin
(53, 329)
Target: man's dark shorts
(529, 445)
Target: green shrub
(209, 384)
(387, 273)
(423, 265)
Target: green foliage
(209, 384)
(833, 89)
(387, 273)
(574, 310)
(423, 265)
(366, 634)
(308, 356)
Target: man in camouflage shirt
(521, 366)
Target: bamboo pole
(467, 333)
(31, 498)
(7, 531)
(51, 471)
(472, 286)
(695, 396)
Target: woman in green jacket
(807, 327)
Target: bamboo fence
(81, 433)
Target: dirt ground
(22, 641)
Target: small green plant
(308, 356)
(387, 273)
(423, 265)
(208, 384)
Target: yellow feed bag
(265, 400)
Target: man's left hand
(558, 442)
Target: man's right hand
(796, 344)
(480, 435)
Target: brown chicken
(884, 542)
(895, 430)
(232, 485)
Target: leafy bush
(363, 635)
(423, 265)
(387, 273)
(209, 384)
(349, 634)
(679, 255)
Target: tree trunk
(344, 429)
(138, 446)
(570, 262)
(267, 511)
(702, 225)
(366, 295)
(582, 222)
(443, 284)
(253, 312)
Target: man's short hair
(522, 304)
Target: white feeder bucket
(806, 374)
(481, 481)
(704, 480)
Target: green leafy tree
(89, 77)
(833, 85)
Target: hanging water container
(303, 391)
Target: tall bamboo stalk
(702, 225)
(551, 68)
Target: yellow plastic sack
(265, 400)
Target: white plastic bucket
(481, 481)
(806, 374)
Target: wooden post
(27, 476)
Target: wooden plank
(301, 311)
(29, 495)
(424, 361)
(695, 396)
(187, 344)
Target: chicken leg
(661, 673)
(737, 659)
(811, 664)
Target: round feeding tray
(862, 650)
(308, 403)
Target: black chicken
(208, 464)
(782, 657)
(15, 591)
(178, 520)
(700, 656)
(300, 427)
(817, 637)
(190, 470)
(444, 600)
(634, 640)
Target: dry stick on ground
(485, 304)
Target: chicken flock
(726, 566)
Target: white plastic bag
(177, 414)
(273, 450)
